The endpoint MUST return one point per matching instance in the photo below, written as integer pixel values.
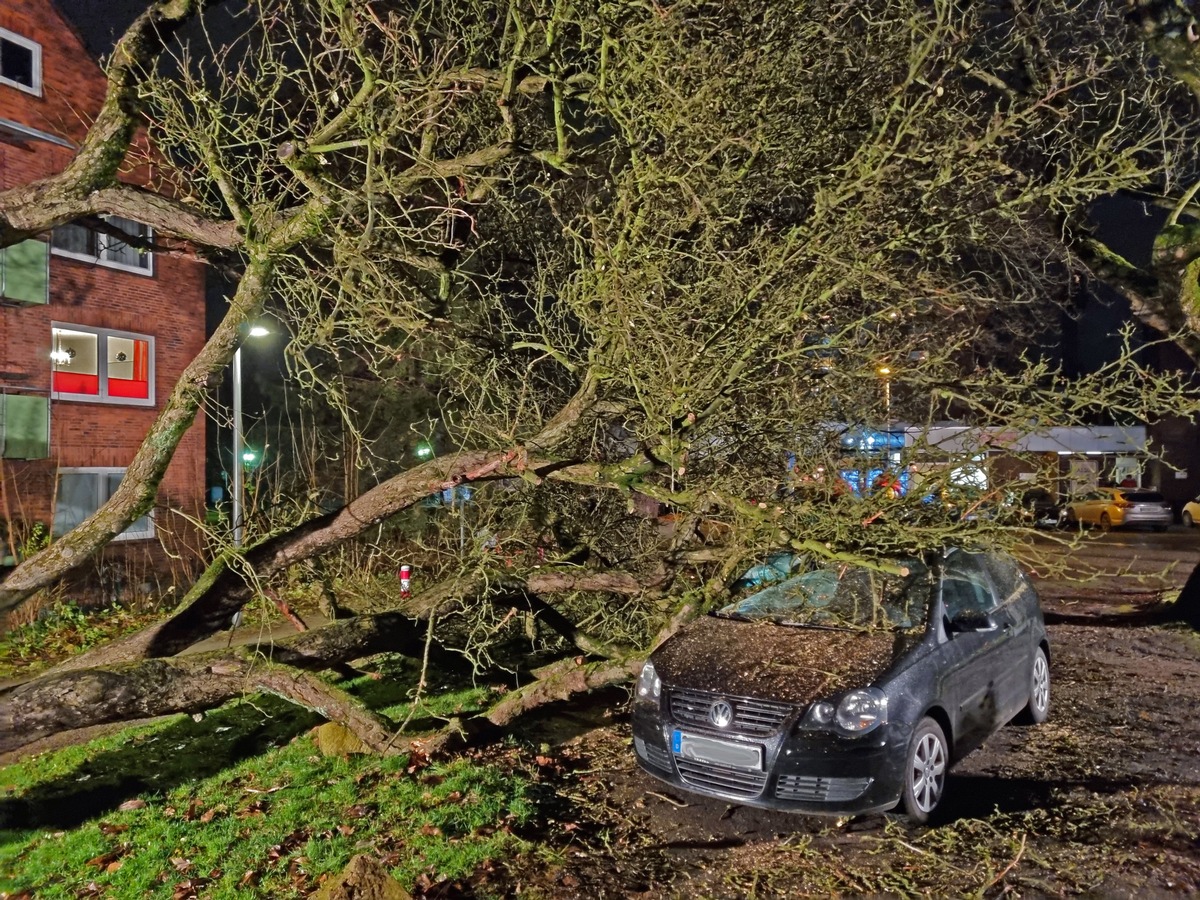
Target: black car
(848, 688)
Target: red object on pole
(406, 581)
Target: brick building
(94, 331)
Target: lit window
(20, 62)
(93, 245)
(101, 365)
(82, 491)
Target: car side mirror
(972, 621)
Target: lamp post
(239, 452)
(884, 371)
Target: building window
(78, 241)
(20, 62)
(82, 491)
(25, 273)
(102, 366)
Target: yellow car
(1113, 507)
(1191, 512)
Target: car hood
(774, 662)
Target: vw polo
(846, 689)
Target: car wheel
(1187, 519)
(925, 771)
(1037, 710)
(1105, 522)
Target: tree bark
(194, 683)
(557, 682)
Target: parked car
(1191, 512)
(1113, 507)
(845, 689)
(1040, 508)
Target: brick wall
(72, 83)
(169, 305)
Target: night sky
(101, 22)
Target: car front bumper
(815, 774)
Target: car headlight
(649, 686)
(858, 712)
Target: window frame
(36, 49)
(148, 534)
(98, 259)
(102, 396)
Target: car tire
(1037, 710)
(925, 771)
(1105, 522)
(1187, 519)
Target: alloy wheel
(928, 772)
(1039, 697)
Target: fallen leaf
(186, 890)
(181, 865)
(431, 830)
(109, 828)
(104, 859)
(132, 804)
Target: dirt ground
(1103, 800)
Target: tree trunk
(1186, 608)
(194, 683)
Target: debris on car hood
(777, 662)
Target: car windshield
(843, 596)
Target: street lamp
(884, 372)
(241, 456)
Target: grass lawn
(242, 803)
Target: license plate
(721, 753)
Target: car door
(1015, 617)
(1089, 508)
(978, 650)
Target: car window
(1006, 576)
(1143, 497)
(965, 588)
(964, 595)
(843, 596)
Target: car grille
(751, 717)
(820, 790)
(725, 779)
(659, 757)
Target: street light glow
(884, 370)
(258, 331)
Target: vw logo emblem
(721, 713)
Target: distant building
(94, 329)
